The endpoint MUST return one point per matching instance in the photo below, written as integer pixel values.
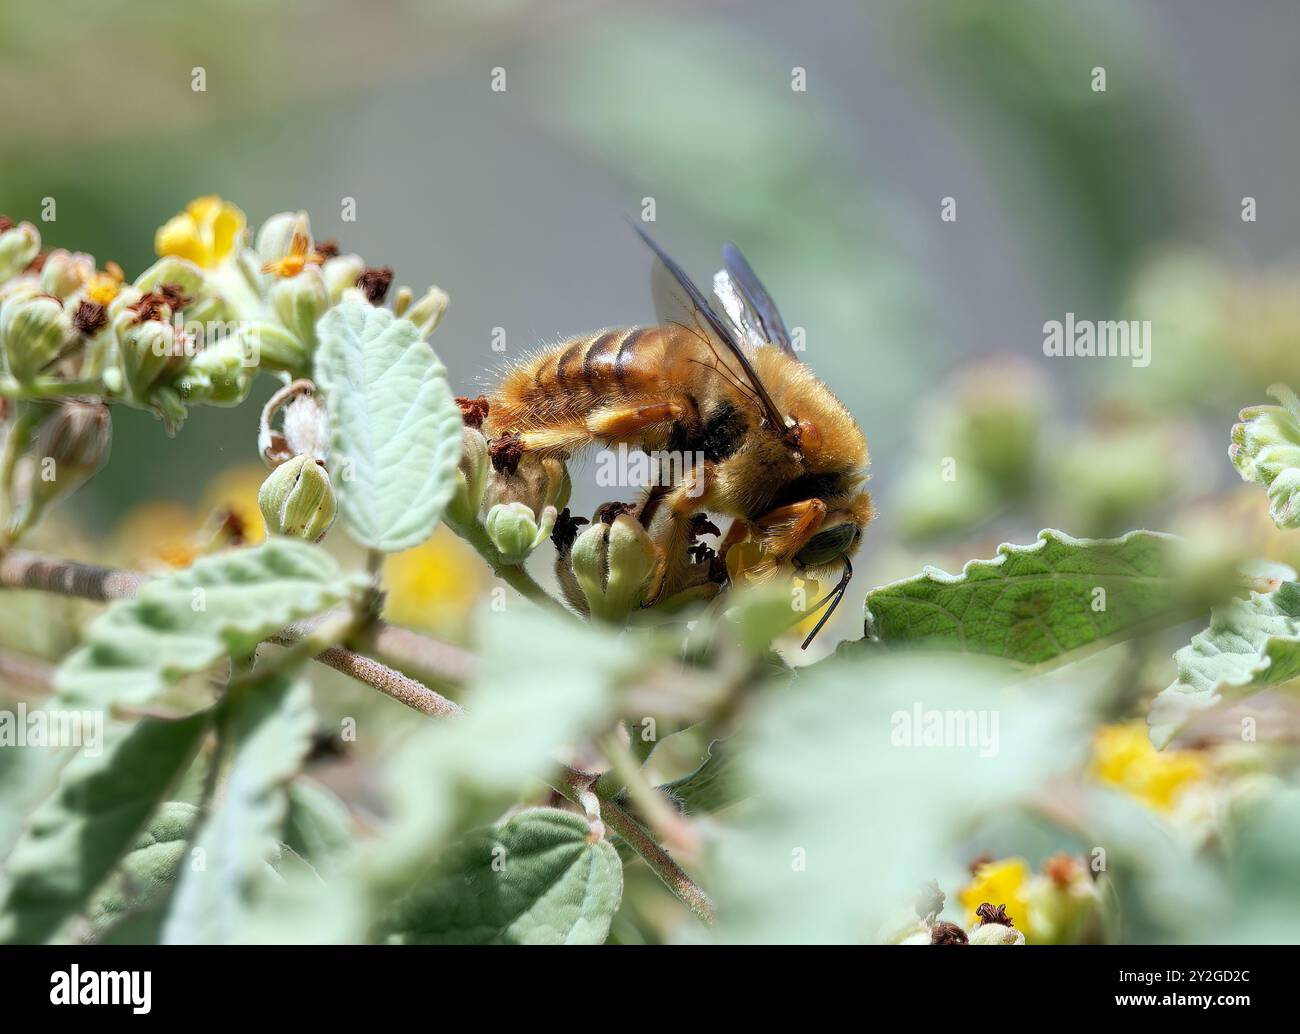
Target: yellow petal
(180, 236)
(1123, 757)
(1000, 883)
(227, 231)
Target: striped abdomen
(592, 371)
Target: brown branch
(23, 570)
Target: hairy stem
(514, 575)
(573, 784)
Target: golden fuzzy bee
(775, 449)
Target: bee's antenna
(838, 593)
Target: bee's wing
(756, 298)
(744, 321)
(678, 300)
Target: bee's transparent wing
(744, 321)
(771, 326)
(677, 300)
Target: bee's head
(828, 545)
(839, 535)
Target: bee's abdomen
(585, 373)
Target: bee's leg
(672, 534)
(630, 423)
(787, 529)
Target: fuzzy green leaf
(1035, 603)
(77, 836)
(271, 729)
(1250, 643)
(538, 878)
(396, 426)
(145, 876)
(188, 621)
(711, 786)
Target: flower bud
(297, 499)
(64, 272)
(613, 564)
(427, 311)
(274, 348)
(275, 238)
(1063, 901)
(217, 375)
(70, 447)
(995, 933)
(33, 331)
(1266, 449)
(147, 350)
(18, 246)
(341, 274)
(299, 301)
(172, 269)
(471, 478)
(515, 531)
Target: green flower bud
(275, 348)
(18, 246)
(299, 301)
(613, 564)
(1266, 449)
(1063, 901)
(148, 351)
(297, 499)
(471, 476)
(217, 375)
(173, 270)
(275, 238)
(995, 933)
(341, 273)
(64, 272)
(33, 331)
(516, 532)
(426, 312)
(70, 447)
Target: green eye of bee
(826, 546)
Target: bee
(770, 446)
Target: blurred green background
(1123, 203)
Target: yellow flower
(299, 258)
(432, 586)
(1003, 882)
(207, 233)
(1122, 756)
(175, 535)
(104, 286)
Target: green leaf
(189, 621)
(711, 786)
(538, 878)
(867, 775)
(551, 685)
(318, 826)
(1250, 643)
(396, 426)
(271, 728)
(77, 836)
(146, 875)
(1033, 604)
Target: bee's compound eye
(827, 545)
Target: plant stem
(573, 784)
(514, 575)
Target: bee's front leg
(787, 529)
